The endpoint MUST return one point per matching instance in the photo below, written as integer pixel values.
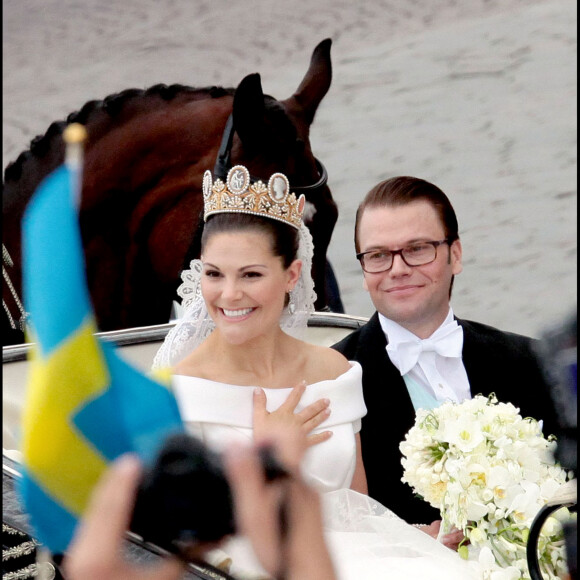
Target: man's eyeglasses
(375, 261)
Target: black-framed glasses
(375, 261)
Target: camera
(184, 498)
(557, 353)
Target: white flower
(478, 535)
(526, 504)
(489, 472)
(464, 434)
(486, 558)
(504, 487)
(476, 511)
(509, 573)
(549, 487)
(564, 515)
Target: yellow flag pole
(75, 136)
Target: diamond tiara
(239, 195)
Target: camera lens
(184, 497)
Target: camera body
(558, 355)
(184, 498)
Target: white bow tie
(446, 341)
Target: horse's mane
(132, 101)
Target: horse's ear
(249, 112)
(316, 82)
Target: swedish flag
(85, 405)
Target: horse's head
(272, 135)
(145, 156)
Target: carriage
(138, 346)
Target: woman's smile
(238, 313)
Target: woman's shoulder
(324, 363)
(195, 364)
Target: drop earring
(291, 305)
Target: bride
(238, 363)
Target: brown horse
(141, 195)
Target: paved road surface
(478, 96)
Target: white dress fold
(219, 413)
(366, 540)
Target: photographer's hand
(300, 550)
(306, 420)
(96, 550)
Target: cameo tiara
(239, 195)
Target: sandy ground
(476, 96)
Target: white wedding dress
(366, 540)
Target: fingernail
(257, 390)
(127, 463)
(326, 401)
(326, 412)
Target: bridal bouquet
(489, 471)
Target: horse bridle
(223, 162)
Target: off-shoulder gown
(366, 540)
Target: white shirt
(443, 378)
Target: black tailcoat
(496, 362)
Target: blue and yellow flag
(85, 405)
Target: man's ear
(365, 285)
(456, 253)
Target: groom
(414, 352)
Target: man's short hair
(398, 191)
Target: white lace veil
(196, 324)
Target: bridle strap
(223, 162)
(321, 180)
